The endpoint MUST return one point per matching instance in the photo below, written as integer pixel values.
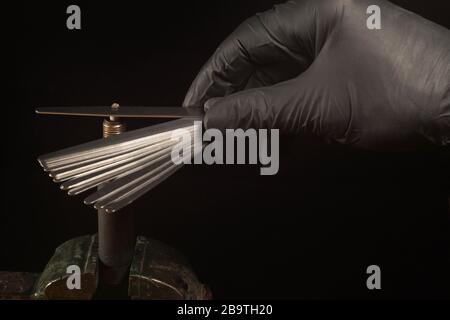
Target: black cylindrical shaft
(116, 241)
(116, 232)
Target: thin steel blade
(112, 145)
(124, 112)
(142, 188)
(60, 175)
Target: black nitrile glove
(313, 66)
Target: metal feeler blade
(116, 186)
(117, 168)
(120, 152)
(80, 171)
(127, 165)
(106, 177)
(61, 175)
(107, 180)
(141, 189)
(126, 188)
(110, 173)
(110, 151)
(174, 112)
(112, 144)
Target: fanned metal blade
(126, 166)
(139, 189)
(124, 112)
(72, 171)
(109, 147)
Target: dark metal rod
(116, 239)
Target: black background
(308, 232)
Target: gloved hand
(313, 66)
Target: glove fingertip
(211, 103)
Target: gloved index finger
(230, 66)
(258, 42)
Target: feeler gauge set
(125, 165)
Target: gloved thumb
(296, 106)
(291, 106)
(253, 108)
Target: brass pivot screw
(113, 126)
